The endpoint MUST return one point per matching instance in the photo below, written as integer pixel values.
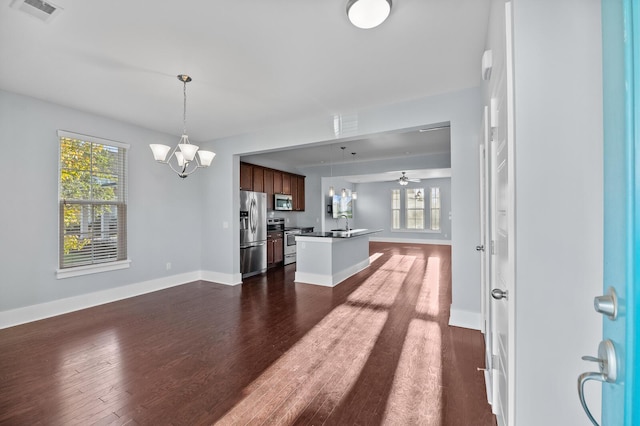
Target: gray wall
(462, 109)
(373, 209)
(159, 204)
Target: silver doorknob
(607, 304)
(480, 248)
(498, 294)
(608, 365)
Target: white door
(484, 250)
(502, 216)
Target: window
(415, 208)
(395, 209)
(435, 209)
(92, 205)
(413, 205)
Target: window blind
(92, 200)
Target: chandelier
(183, 159)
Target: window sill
(92, 269)
(416, 231)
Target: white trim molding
(40, 311)
(328, 280)
(465, 319)
(409, 241)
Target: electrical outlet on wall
(168, 266)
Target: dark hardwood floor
(374, 350)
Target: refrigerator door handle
(253, 245)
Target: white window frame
(411, 201)
(123, 261)
(435, 211)
(396, 210)
(428, 211)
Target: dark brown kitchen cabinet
(277, 182)
(258, 179)
(286, 183)
(299, 205)
(294, 191)
(271, 181)
(268, 187)
(246, 176)
(275, 248)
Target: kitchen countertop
(341, 234)
(305, 229)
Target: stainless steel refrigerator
(253, 233)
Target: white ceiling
(399, 144)
(254, 63)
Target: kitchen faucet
(346, 226)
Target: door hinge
(493, 247)
(494, 362)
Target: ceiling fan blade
(414, 180)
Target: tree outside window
(92, 199)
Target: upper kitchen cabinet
(258, 179)
(268, 187)
(246, 176)
(286, 183)
(271, 181)
(298, 197)
(277, 182)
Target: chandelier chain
(184, 110)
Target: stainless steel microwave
(282, 202)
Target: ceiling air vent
(40, 9)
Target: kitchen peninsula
(328, 258)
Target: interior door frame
(484, 153)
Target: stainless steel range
(290, 245)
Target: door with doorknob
(615, 364)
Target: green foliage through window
(92, 197)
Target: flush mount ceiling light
(182, 159)
(367, 14)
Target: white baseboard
(409, 241)
(331, 280)
(221, 278)
(465, 319)
(70, 304)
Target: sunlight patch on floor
(416, 393)
(429, 299)
(374, 257)
(316, 373)
(382, 287)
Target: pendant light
(354, 194)
(343, 193)
(367, 14)
(181, 159)
(332, 191)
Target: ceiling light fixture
(367, 14)
(354, 194)
(181, 159)
(332, 191)
(343, 193)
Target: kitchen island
(328, 258)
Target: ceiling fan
(404, 179)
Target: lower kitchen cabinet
(275, 248)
